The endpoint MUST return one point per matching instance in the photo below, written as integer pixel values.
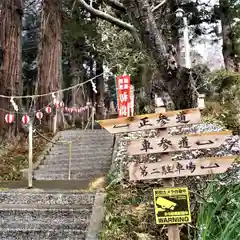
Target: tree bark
(228, 51)
(11, 12)
(50, 52)
(100, 91)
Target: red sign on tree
(123, 92)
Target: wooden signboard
(178, 143)
(172, 169)
(152, 121)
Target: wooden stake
(93, 115)
(30, 154)
(55, 123)
(173, 230)
(69, 160)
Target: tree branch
(154, 9)
(109, 18)
(115, 4)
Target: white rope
(51, 93)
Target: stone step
(84, 148)
(85, 166)
(81, 172)
(80, 154)
(58, 159)
(39, 196)
(83, 135)
(38, 234)
(84, 141)
(77, 186)
(86, 133)
(40, 217)
(64, 176)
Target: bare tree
(177, 80)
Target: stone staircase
(91, 156)
(44, 214)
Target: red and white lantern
(39, 115)
(9, 118)
(57, 104)
(61, 104)
(25, 119)
(48, 110)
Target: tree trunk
(77, 93)
(231, 63)
(50, 53)
(100, 91)
(11, 12)
(177, 81)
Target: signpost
(152, 121)
(182, 168)
(172, 205)
(178, 143)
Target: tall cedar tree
(11, 12)
(49, 52)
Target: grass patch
(97, 184)
(129, 214)
(14, 157)
(219, 215)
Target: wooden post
(74, 105)
(55, 123)
(55, 120)
(69, 160)
(173, 230)
(30, 154)
(93, 113)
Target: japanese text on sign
(177, 143)
(123, 92)
(172, 205)
(151, 121)
(172, 169)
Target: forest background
(48, 45)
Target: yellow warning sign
(172, 205)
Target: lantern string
(65, 89)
